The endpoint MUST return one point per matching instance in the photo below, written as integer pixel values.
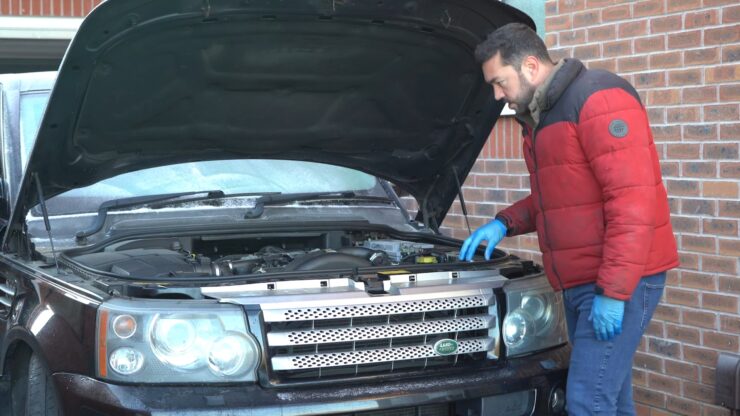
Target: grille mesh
(323, 336)
(347, 311)
(371, 356)
(345, 341)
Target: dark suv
(199, 217)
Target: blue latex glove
(606, 315)
(493, 232)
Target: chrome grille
(376, 335)
(6, 297)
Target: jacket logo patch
(618, 128)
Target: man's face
(509, 84)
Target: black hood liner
(390, 88)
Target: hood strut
(45, 213)
(462, 199)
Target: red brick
(632, 64)
(602, 33)
(655, 329)
(573, 37)
(682, 370)
(729, 92)
(668, 133)
(650, 44)
(699, 95)
(685, 224)
(683, 115)
(717, 226)
(665, 384)
(700, 132)
(722, 36)
(617, 48)
(708, 376)
(720, 303)
(688, 260)
(666, 313)
(698, 318)
(730, 53)
(701, 19)
(730, 170)
(726, 73)
(683, 334)
(701, 356)
(649, 8)
(648, 362)
(666, 60)
(701, 56)
(720, 151)
(588, 18)
(665, 348)
(664, 97)
(731, 15)
(656, 115)
(669, 169)
(729, 247)
(568, 6)
(716, 264)
(606, 64)
(633, 29)
(699, 244)
(621, 12)
(649, 397)
(719, 189)
(730, 131)
(684, 40)
(699, 392)
(587, 52)
(700, 281)
(682, 188)
(730, 324)
(681, 297)
(685, 76)
(665, 24)
(713, 410)
(639, 377)
(551, 7)
(721, 341)
(683, 5)
(722, 112)
(729, 208)
(558, 23)
(701, 207)
(650, 80)
(729, 284)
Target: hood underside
(390, 88)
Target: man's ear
(530, 68)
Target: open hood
(387, 87)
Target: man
(597, 203)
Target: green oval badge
(445, 346)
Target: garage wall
(62, 8)
(682, 56)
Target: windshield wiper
(277, 199)
(134, 202)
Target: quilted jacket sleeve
(615, 136)
(519, 218)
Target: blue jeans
(600, 375)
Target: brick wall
(64, 8)
(682, 56)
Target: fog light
(517, 326)
(126, 361)
(557, 401)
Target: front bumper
(540, 373)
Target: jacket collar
(548, 93)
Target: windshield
(230, 176)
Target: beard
(525, 96)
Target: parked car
(199, 218)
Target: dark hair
(515, 42)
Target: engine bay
(244, 255)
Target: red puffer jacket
(598, 202)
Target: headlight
(174, 342)
(535, 318)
